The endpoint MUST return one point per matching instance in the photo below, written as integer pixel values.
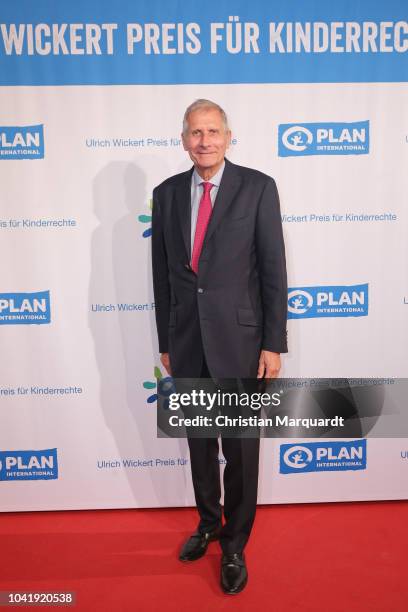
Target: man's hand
(269, 365)
(165, 359)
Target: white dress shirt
(197, 192)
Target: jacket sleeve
(271, 259)
(161, 285)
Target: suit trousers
(240, 485)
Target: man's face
(206, 140)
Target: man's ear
(229, 136)
(183, 141)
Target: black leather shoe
(196, 546)
(234, 575)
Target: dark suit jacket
(237, 304)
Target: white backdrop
(100, 344)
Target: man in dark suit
(219, 278)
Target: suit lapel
(183, 203)
(229, 186)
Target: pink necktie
(204, 214)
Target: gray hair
(203, 104)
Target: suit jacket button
(199, 290)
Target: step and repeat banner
(92, 96)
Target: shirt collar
(214, 180)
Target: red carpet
(317, 557)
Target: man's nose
(205, 140)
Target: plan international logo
(22, 142)
(25, 308)
(330, 301)
(323, 457)
(296, 139)
(29, 465)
